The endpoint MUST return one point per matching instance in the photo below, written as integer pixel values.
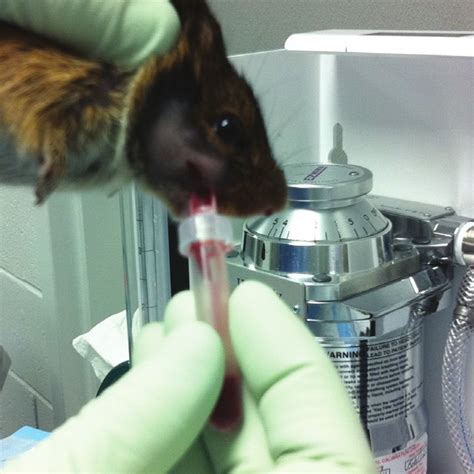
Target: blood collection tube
(205, 238)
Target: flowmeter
(361, 271)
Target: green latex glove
(297, 416)
(124, 32)
(148, 418)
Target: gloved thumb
(153, 413)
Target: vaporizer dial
(329, 228)
(326, 204)
(330, 225)
(326, 184)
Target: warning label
(411, 460)
(384, 379)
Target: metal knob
(326, 185)
(329, 228)
(326, 204)
(464, 244)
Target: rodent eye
(229, 129)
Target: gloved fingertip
(196, 340)
(252, 291)
(251, 287)
(180, 310)
(268, 339)
(153, 28)
(148, 342)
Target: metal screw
(426, 214)
(296, 308)
(418, 311)
(321, 278)
(354, 173)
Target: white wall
(83, 281)
(60, 273)
(259, 25)
(27, 395)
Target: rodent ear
(200, 28)
(187, 9)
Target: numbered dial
(363, 220)
(326, 204)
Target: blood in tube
(210, 286)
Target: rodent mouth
(177, 190)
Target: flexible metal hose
(454, 368)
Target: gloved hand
(297, 415)
(123, 32)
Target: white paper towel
(106, 344)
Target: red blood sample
(228, 410)
(204, 252)
(198, 204)
(211, 291)
(227, 413)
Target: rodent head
(196, 127)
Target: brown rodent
(182, 123)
